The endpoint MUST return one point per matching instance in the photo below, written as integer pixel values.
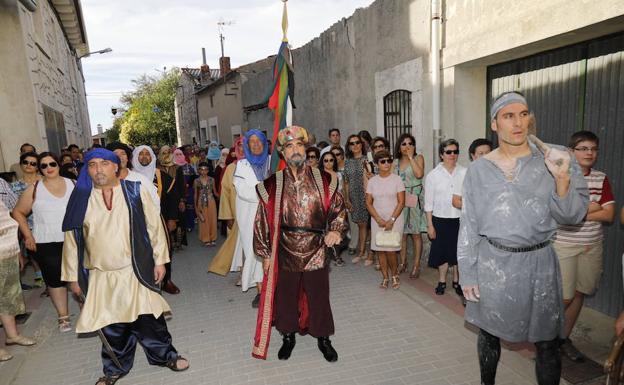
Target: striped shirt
(588, 232)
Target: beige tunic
(115, 294)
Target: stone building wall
(186, 111)
(42, 95)
(335, 73)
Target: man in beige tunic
(115, 250)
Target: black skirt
(444, 246)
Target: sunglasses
(27, 163)
(407, 144)
(385, 161)
(449, 152)
(355, 143)
(337, 154)
(379, 146)
(312, 157)
(43, 166)
(330, 160)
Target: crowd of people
(517, 206)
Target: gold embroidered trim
(264, 195)
(266, 316)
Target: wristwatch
(393, 219)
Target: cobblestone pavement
(382, 337)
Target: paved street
(383, 337)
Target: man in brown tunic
(301, 213)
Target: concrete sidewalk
(382, 337)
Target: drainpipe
(436, 21)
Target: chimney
(203, 56)
(224, 65)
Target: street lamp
(105, 50)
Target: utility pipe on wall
(436, 21)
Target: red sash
(271, 198)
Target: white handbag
(388, 239)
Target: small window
(397, 115)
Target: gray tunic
(521, 297)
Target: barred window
(397, 115)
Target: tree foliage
(150, 114)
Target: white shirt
(439, 187)
(48, 212)
(134, 176)
(458, 181)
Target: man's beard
(296, 161)
(146, 163)
(100, 180)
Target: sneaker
(256, 301)
(38, 282)
(569, 350)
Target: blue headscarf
(77, 205)
(214, 153)
(259, 163)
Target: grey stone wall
(335, 72)
(254, 91)
(187, 125)
(55, 73)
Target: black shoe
(440, 289)
(26, 287)
(288, 344)
(171, 288)
(256, 301)
(325, 346)
(458, 289)
(570, 351)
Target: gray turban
(505, 100)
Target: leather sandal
(440, 289)
(384, 284)
(173, 364)
(402, 268)
(458, 289)
(108, 380)
(395, 282)
(414, 274)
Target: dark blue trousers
(147, 330)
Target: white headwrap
(147, 171)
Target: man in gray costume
(513, 199)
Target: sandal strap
(108, 380)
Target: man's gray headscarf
(504, 100)
(146, 171)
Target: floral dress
(353, 174)
(414, 217)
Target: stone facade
(187, 126)
(42, 98)
(220, 105)
(343, 75)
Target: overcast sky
(147, 35)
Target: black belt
(298, 229)
(518, 249)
